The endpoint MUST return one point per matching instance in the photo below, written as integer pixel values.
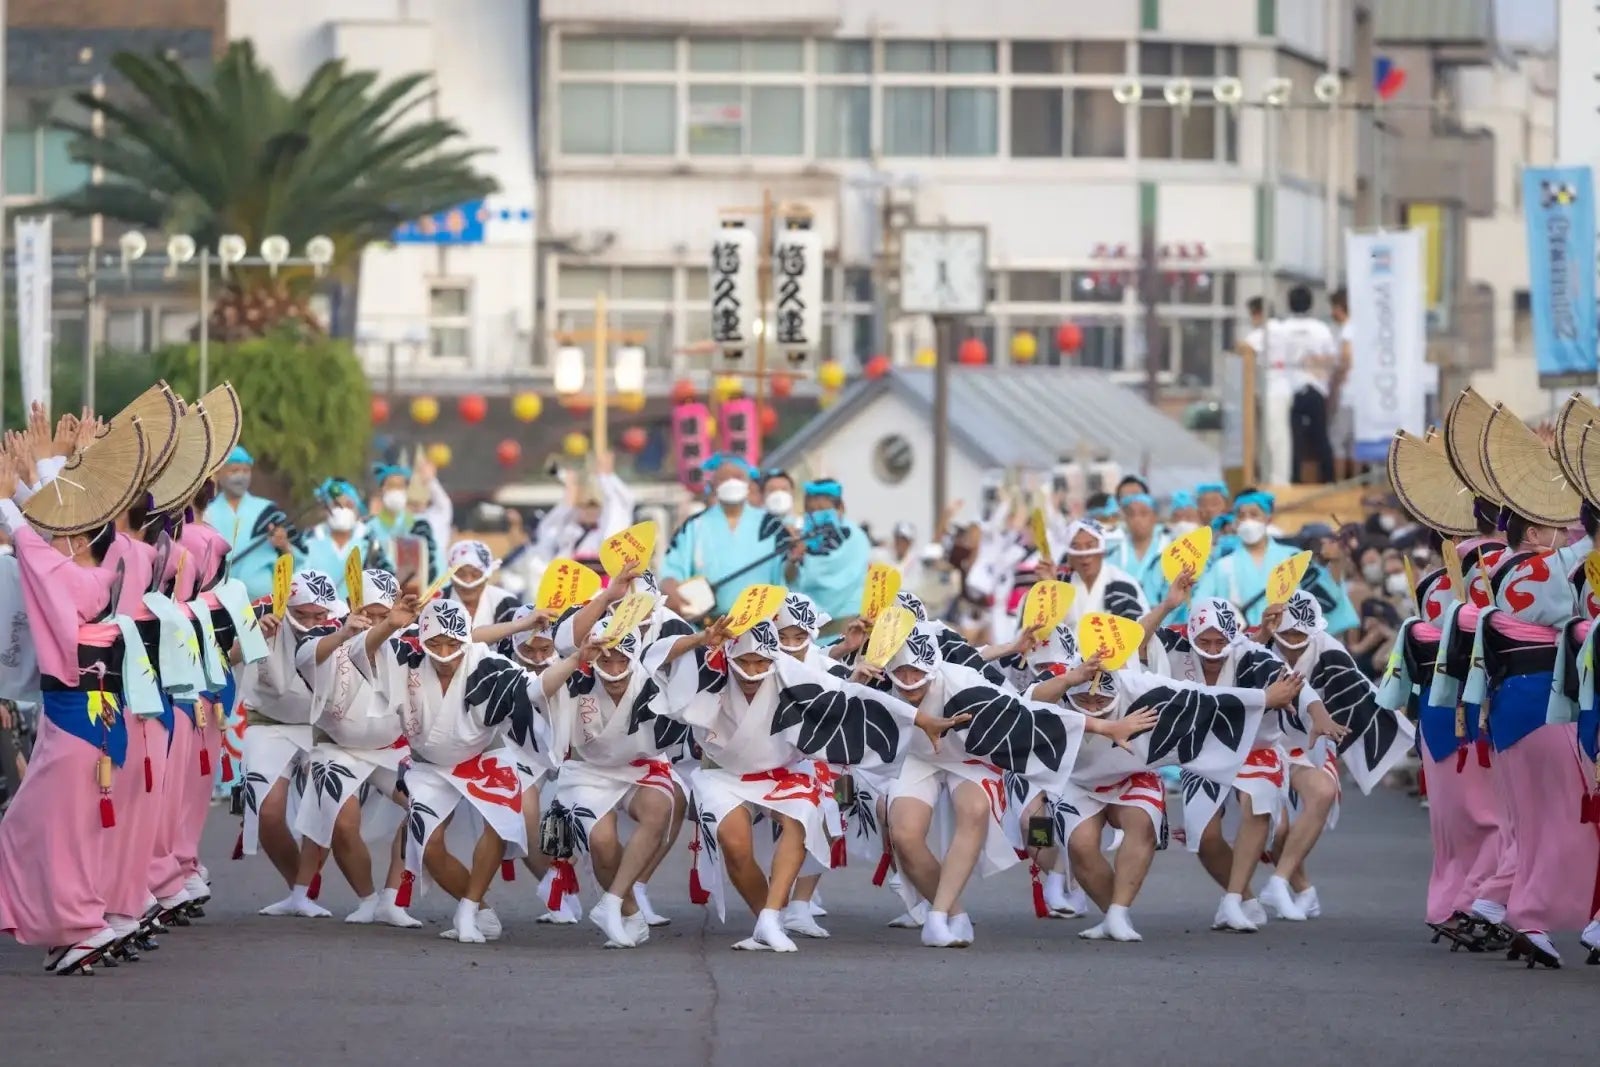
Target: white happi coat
(274, 689)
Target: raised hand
(716, 635)
(1124, 730)
(405, 612)
(1283, 692)
(591, 649)
(937, 726)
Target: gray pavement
(1362, 986)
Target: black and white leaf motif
(861, 812)
(955, 649)
(420, 814)
(836, 726)
(1007, 732)
(799, 609)
(1059, 811)
(500, 688)
(1016, 787)
(629, 645)
(706, 828)
(772, 526)
(319, 587)
(1187, 717)
(364, 792)
(1124, 599)
(451, 620)
(1302, 613)
(254, 781)
(579, 820)
(673, 627)
(407, 651)
(765, 636)
(505, 610)
(1193, 786)
(298, 781)
(921, 648)
(327, 780)
(912, 603)
(1352, 703)
(666, 732)
(385, 583)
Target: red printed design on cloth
(1536, 570)
(1142, 788)
(490, 780)
(657, 774)
(824, 774)
(993, 787)
(788, 785)
(1263, 763)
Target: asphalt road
(1360, 986)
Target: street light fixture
(569, 372)
(1180, 94)
(1328, 88)
(1128, 91)
(1228, 92)
(1278, 93)
(628, 370)
(275, 250)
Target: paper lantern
(632, 403)
(575, 445)
(768, 418)
(1069, 337)
(578, 403)
(472, 408)
(1024, 346)
(683, 391)
(634, 439)
(527, 406)
(877, 367)
(734, 292)
(797, 292)
(726, 388)
(925, 357)
(782, 386)
(831, 374)
(380, 411)
(828, 398)
(439, 454)
(973, 352)
(424, 409)
(508, 452)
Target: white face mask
(753, 676)
(1396, 585)
(535, 665)
(1386, 523)
(1210, 657)
(464, 584)
(733, 491)
(795, 650)
(451, 658)
(394, 501)
(1373, 573)
(1293, 646)
(1182, 529)
(780, 502)
(912, 687)
(606, 676)
(1251, 531)
(342, 520)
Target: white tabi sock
(1489, 911)
(366, 912)
(390, 897)
(1119, 925)
(300, 894)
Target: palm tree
(345, 156)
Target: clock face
(944, 272)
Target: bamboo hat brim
(98, 483)
(191, 459)
(1575, 415)
(1588, 459)
(1524, 473)
(1428, 486)
(158, 413)
(1463, 430)
(227, 421)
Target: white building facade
(657, 115)
(447, 313)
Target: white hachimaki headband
(800, 610)
(472, 554)
(1302, 613)
(920, 652)
(379, 587)
(1092, 528)
(444, 618)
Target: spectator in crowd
(1312, 357)
(1211, 501)
(257, 530)
(829, 563)
(730, 546)
(1339, 410)
(1264, 345)
(591, 510)
(777, 495)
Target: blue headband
(1109, 511)
(717, 459)
(1211, 487)
(824, 487)
(382, 471)
(1182, 499)
(239, 455)
(1265, 501)
(1139, 498)
(332, 488)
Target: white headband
(379, 587)
(314, 587)
(800, 610)
(444, 618)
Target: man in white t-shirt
(1338, 399)
(1312, 353)
(1275, 388)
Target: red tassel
(1585, 809)
(108, 814)
(562, 884)
(1461, 757)
(570, 873)
(1422, 782)
(402, 896)
(238, 847)
(508, 870)
(883, 867)
(838, 856)
(227, 768)
(1483, 751)
(315, 889)
(205, 762)
(149, 776)
(1040, 908)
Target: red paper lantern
(380, 410)
(472, 408)
(877, 367)
(578, 403)
(1069, 337)
(782, 386)
(634, 439)
(683, 391)
(973, 352)
(508, 452)
(769, 418)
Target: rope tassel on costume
(697, 891)
(508, 870)
(882, 871)
(1041, 910)
(227, 767)
(402, 896)
(149, 776)
(205, 761)
(102, 773)
(1461, 738)
(1483, 734)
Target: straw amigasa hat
(98, 483)
(191, 460)
(1525, 473)
(227, 420)
(1463, 430)
(158, 410)
(1427, 485)
(1575, 416)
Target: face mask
(912, 687)
(795, 650)
(535, 665)
(1293, 646)
(298, 625)
(733, 491)
(606, 676)
(342, 520)
(451, 658)
(1396, 585)
(756, 676)
(1183, 529)
(1251, 531)
(1211, 657)
(464, 584)
(235, 485)
(1373, 573)
(780, 502)
(819, 519)
(394, 501)
(1386, 523)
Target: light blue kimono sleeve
(1211, 583)
(1342, 616)
(835, 580)
(1477, 687)
(679, 562)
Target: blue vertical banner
(1559, 205)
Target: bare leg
(1317, 793)
(733, 837)
(276, 840)
(675, 823)
(1216, 855)
(350, 851)
(535, 861)
(972, 828)
(910, 819)
(605, 851)
(788, 855)
(397, 859)
(651, 811)
(1247, 845)
(1135, 854)
(805, 887)
(486, 858)
(450, 874)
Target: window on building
(1102, 345)
(756, 120)
(1099, 57)
(627, 119)
(176, 327)
(1034, 287)
(450, 320)
(1038, 123)
(124, 330)
(38, 163)
(939, 121)
(1175, 60)
(1099, 125)
(1098, 287)
(1039, 57)
(728, 55)
(940, 57)
(599, 54)
(844, 57)
(1208, 132)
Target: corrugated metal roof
(1033, 417)
(1427, 21)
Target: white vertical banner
(1387, 386)
(33, 266)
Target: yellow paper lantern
(527, 406)
(439, 454)
(925, 357)
(831, 375)
(631, 402)
(726, 387)
(1024, 346)
(711, 426)
(827, 399)
(575, 445)
(424, 409)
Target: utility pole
(1149, 296)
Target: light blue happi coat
(252, 567)
(1146, 569)
(322, 554)
(707, 547)
(1238, 579)
(834, 579)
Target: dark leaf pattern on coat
(500, 688)
(955, 649)
(1007, 732)
(327, 780)
(1187, 717)
(420, 814)
(836, 726)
